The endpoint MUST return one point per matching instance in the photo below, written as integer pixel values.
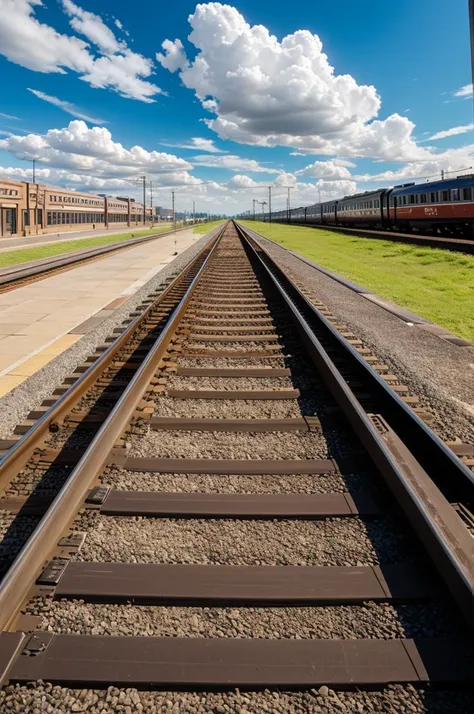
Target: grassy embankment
(25, 255)
(206, 227)
(436, 284)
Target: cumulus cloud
(93, 151)
(268, 92)
(452, 161)
(66, 106)
(39, 47)
(332, 190)
(325, 169)
(465, 91)
(239, 181)
(232, 162)
(174, 57)
(198, 144)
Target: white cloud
(325, 169)
(232, 162)
(118, 24)
(9, 116)
(465, 91)
(174, 57)
(451, 132)
(452, 161)
(238, 181)
(93, 152)
(267, 92)
(27, 174)
(198, 144)
(331, 190)
(66, 106)
(91, 26)
(39, 47)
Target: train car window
(423, 198)
(467, 194)
(433, 197)
(412, 198)
(455, 194)
(445, 195)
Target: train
(444, 207)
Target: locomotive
(439, 207)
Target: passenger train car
(439, 207)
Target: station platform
(40, 321)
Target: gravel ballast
(208, 483)
(45, 697)
(371, 620)
(344, 541)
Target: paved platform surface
(8, 244)
(40, 321)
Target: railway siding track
(26, 273)
(236, 456)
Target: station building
(33, 209)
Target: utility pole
(263, 204)
(254, 202)
(151, 201)
(172, 210)
(442, 174)
(143, 178)
(288, 208)
(194, 211)
(269, 204)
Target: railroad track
(231, 495)
(23, 274)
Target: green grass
(206, 227)
(25, 255)
(436, 284)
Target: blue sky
(362, 97)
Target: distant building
(32, 209)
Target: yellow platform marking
(34, 364)
(9, 382)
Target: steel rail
(17, 456)
(444, 535)
(23, 271)
(428, 448)
(20, 577)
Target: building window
(49, 218)
(39, 216)
(26, 218)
